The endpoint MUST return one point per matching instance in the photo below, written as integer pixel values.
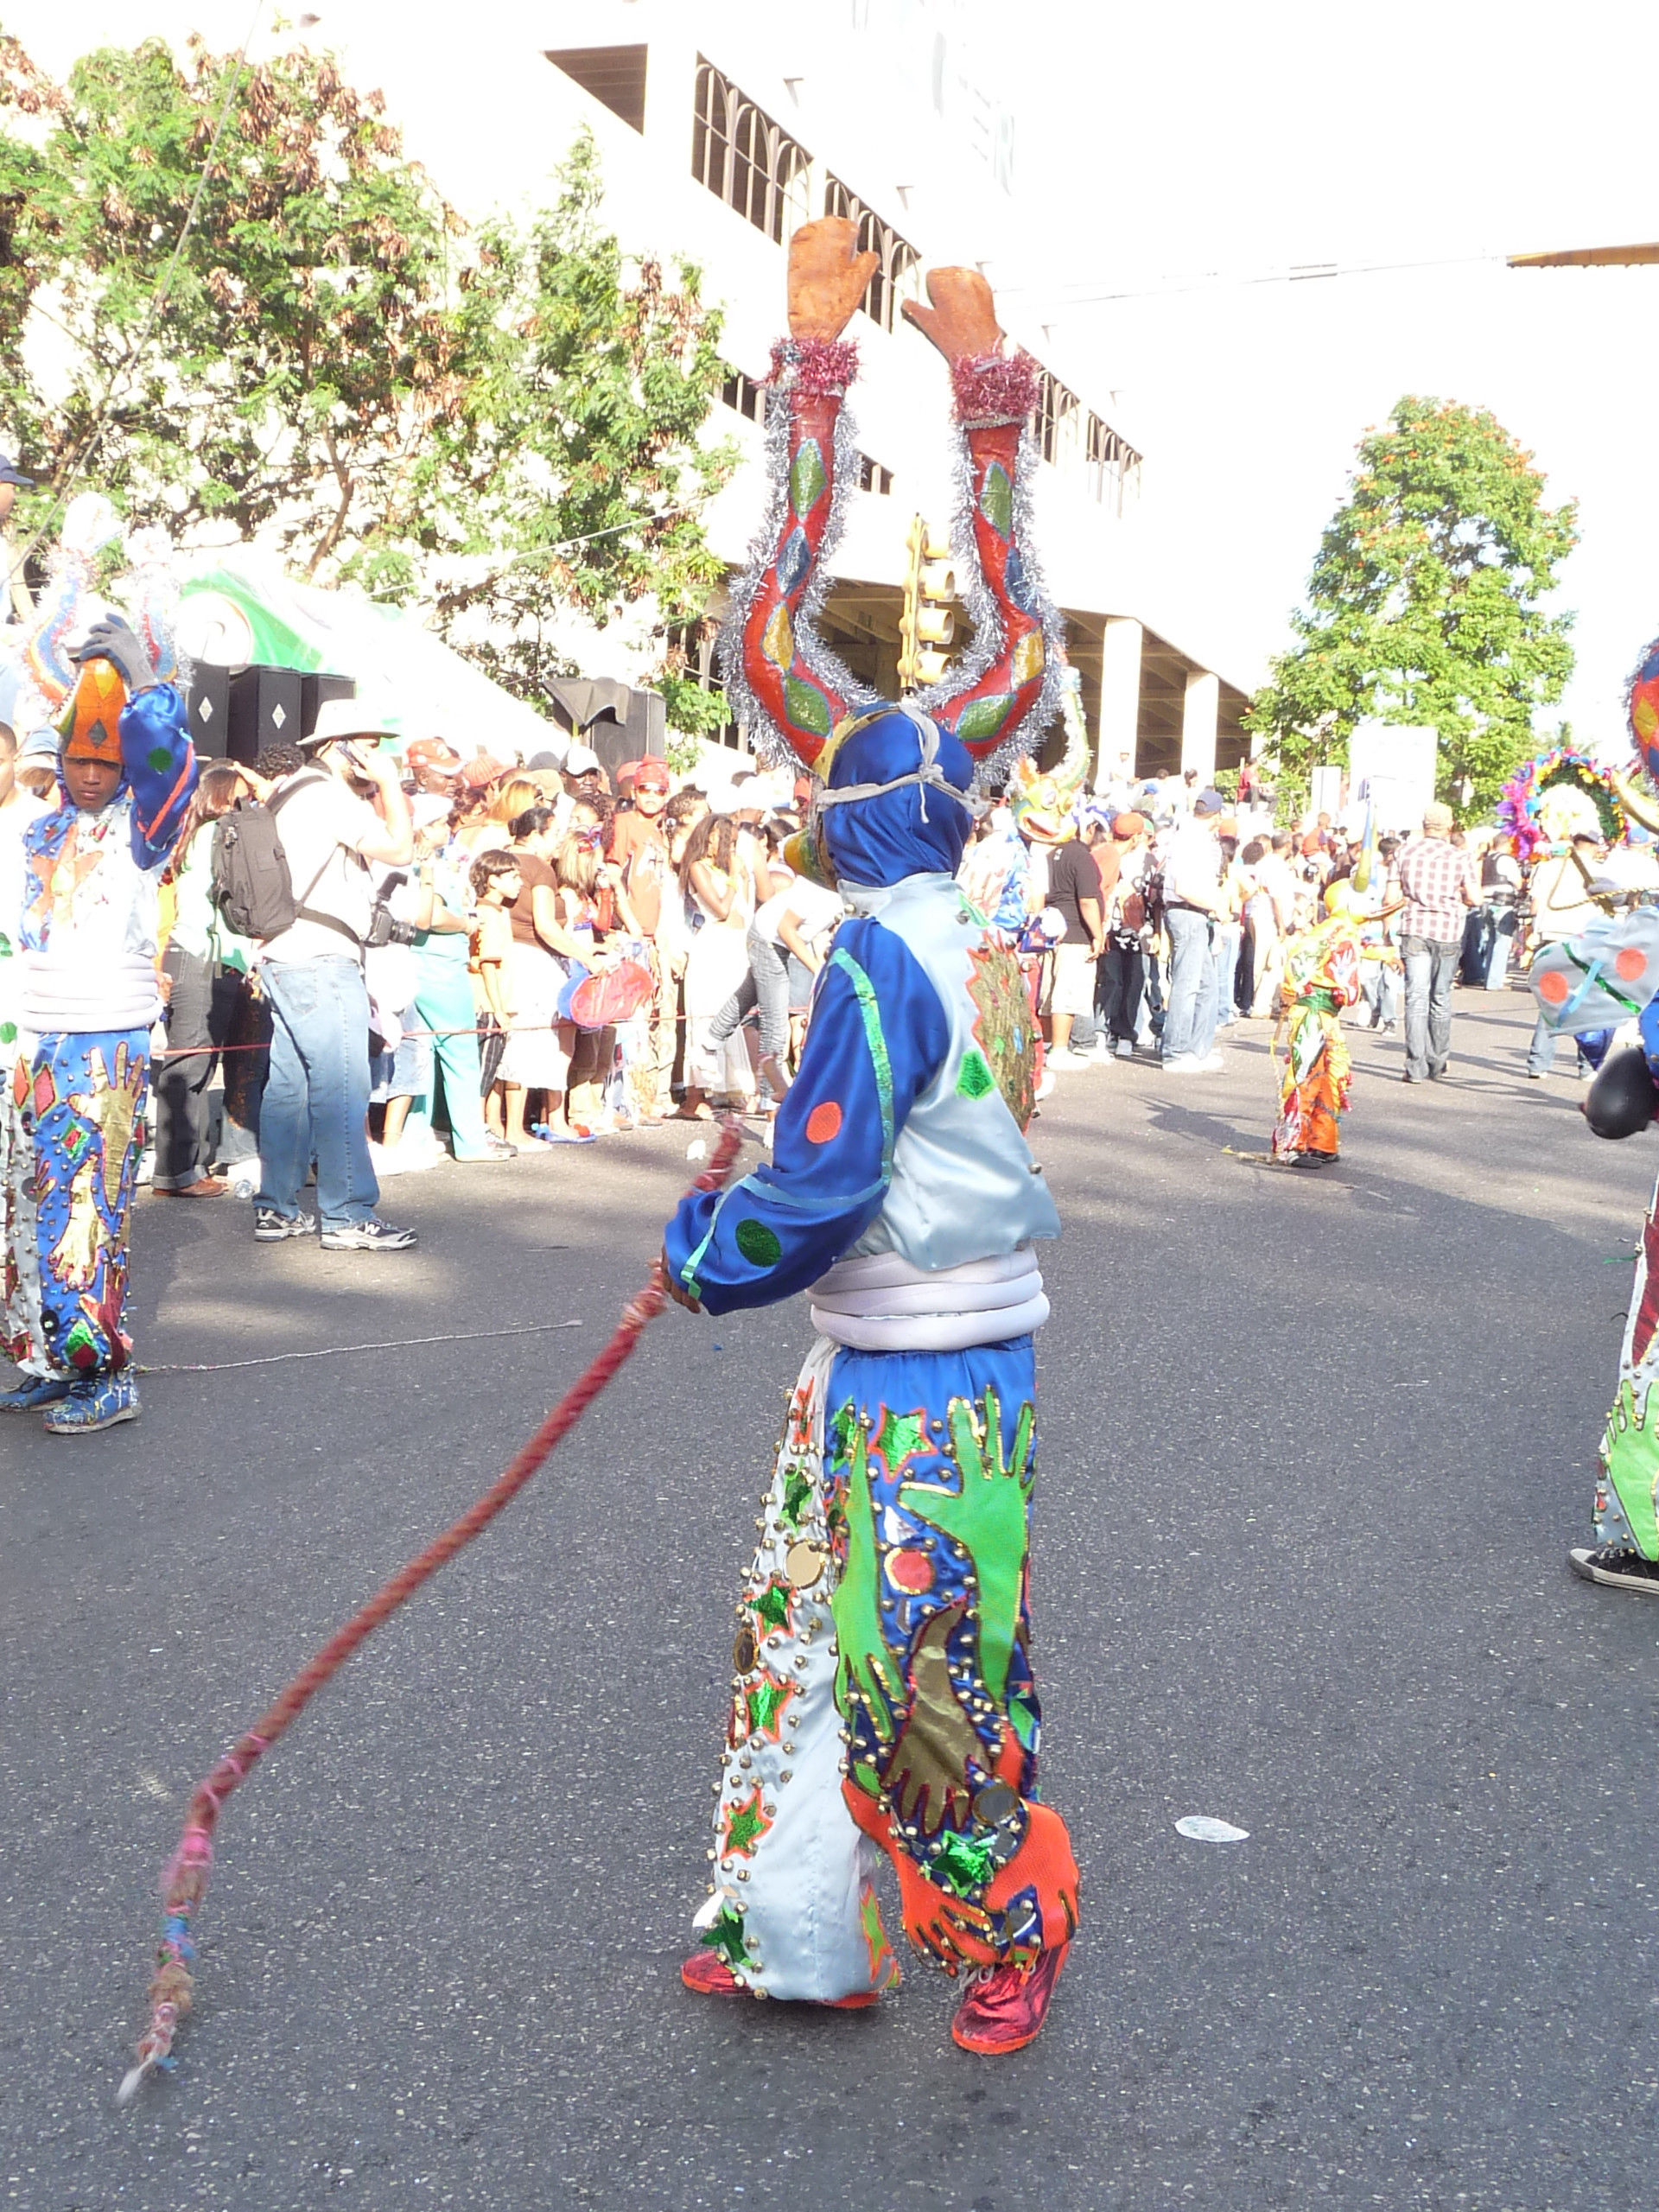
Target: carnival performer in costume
(1321, 976)
(883, 1695)
(93, 868)
(1586, 988)
(34, 684)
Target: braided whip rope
(184, 1882)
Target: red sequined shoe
(708, 1974)
(1004, 2009)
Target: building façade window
(746, 159)
(1114, 465)
(744, 397)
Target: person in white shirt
(317, 1094)
(1192, 903)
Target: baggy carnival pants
(83, 1114)
(882, 1694)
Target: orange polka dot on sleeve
(824, 1123)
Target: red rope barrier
(184, 1881)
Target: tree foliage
(1423, 606)
(501, 422)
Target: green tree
(503, 424)
(1423, 606)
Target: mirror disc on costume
(803, 1563)
(744, 1652)
(993, 1803)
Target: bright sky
(1205, 136)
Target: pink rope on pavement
(184, 1883)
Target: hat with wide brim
(338, 720)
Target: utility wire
(1217, 280)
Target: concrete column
(1199, 709)
(1120, 699)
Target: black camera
(385, 929)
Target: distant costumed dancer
(1321, 976)
(882, 1695)
(1586, 987)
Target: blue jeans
(1190, 1025)
(1380, 986)
(317, 1093)
(443, 1002)
(1229, 938)
(1430, 966)
(1540, 1053)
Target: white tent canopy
(239, 607)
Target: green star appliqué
(745, 1826)
(903, 1435)
(726, 1934)
(798, 1489)
(772, 1607)
(765, 1705)
(962, 1865)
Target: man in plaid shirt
(1438, 885)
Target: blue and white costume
(883, 1692)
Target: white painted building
(721, 127)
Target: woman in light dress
(717, 878)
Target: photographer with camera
(316, 1098)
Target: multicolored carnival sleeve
(1003, 693)
(785, 684)
(878, 1037)
(160, 763)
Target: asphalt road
(1312, 1451)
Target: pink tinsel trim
(990, 388)
(820, 365)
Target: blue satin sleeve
(159, 766)
(877, 1038)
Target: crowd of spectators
(483, 958)
(489, 959)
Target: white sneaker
(1126, 1048)
(1046, 1085)
(1184, 1064)
(1214, 1060)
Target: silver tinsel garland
(769, 740)
(986, 616)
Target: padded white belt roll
(63, 993)
(881, 1303)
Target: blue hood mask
(896, 803)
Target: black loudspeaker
(313, 689)
(210, 711)
(266, 707)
